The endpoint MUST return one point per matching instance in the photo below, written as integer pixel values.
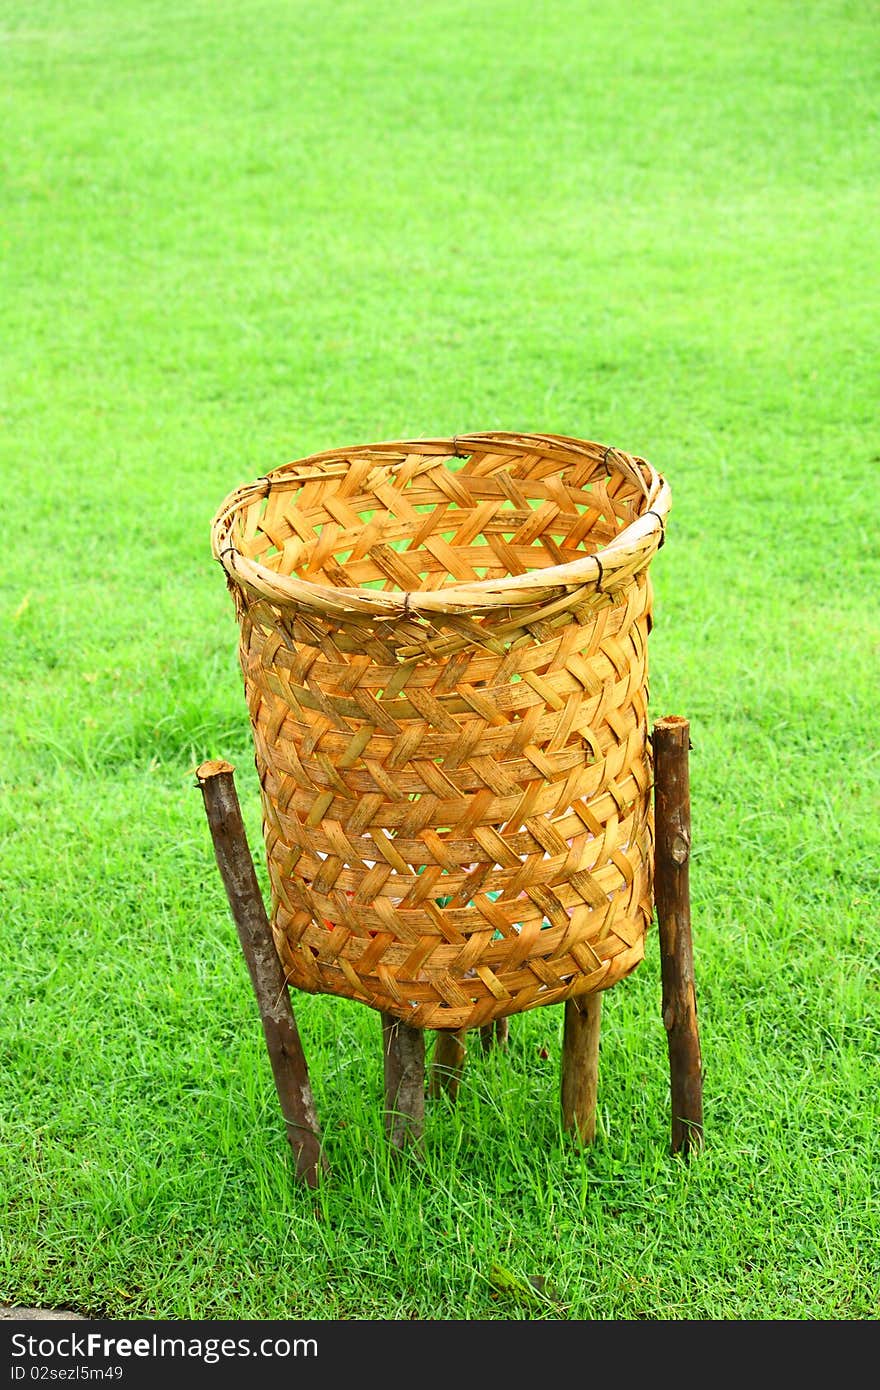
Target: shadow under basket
(444, 646)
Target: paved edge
(14, 1312)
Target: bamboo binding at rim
(444, 649)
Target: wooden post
(671, 740)
(448, 1063)
(495, 1034)
(403, 1051)
(580, 1065)
(267, 975)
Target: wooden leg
(671, 740)
(283, 1044)
(580, 1065)
(495, 1034)
(403, 1051)
(449, 1054)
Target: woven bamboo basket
(444, 650)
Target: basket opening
(432, 526)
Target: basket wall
(455, 787)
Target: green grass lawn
(235, 233)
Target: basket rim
(605, 570)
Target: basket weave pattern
(444, 648)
